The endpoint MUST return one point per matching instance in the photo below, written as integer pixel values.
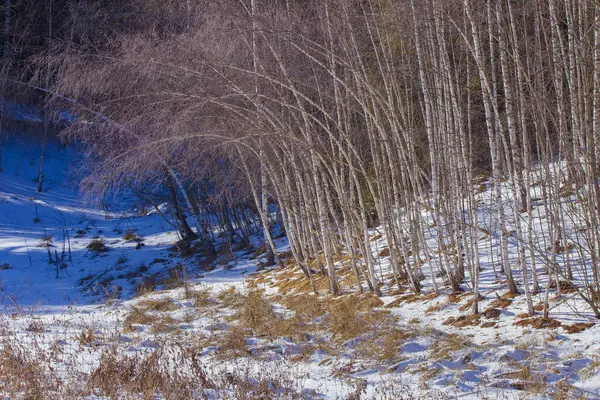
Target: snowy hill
(122, 297)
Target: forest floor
(97, 304)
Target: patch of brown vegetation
(467, 320)
(161, 305)
(23, 375)
(578, 327)
(539, 323)
(500, 302)
(256, 313)
(118, 376)
(443, 347)
(233, 343)
(492, 313)
(306, 306)
(97, 245)
(385, 252)
(565, 286)
(469, 304)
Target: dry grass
(233, 343)
(201, 298)
(176, 376)
(130, 235)
(23, 375)
(147, 285)
(161, 305)
(443, 347)
(539, 323)
(138, 316)
(308, 307)
(86, 337)
(500, 302)
(231, 298)
(578, 327)
(384, 345)
(97, 245)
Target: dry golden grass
(164, 324)
(307, 306)
(86, 337)
(256, 313)
(97, 245)
(161, 305)
(137, 317)
(500, 302)
(123, 376)
(231, 298)
(384, 345)
(201, 298)
(233, 343)
(23, 375)
(443, 347)
(577, 327)
(538, 323)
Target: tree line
(455, 126)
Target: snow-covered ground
(73, 315)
